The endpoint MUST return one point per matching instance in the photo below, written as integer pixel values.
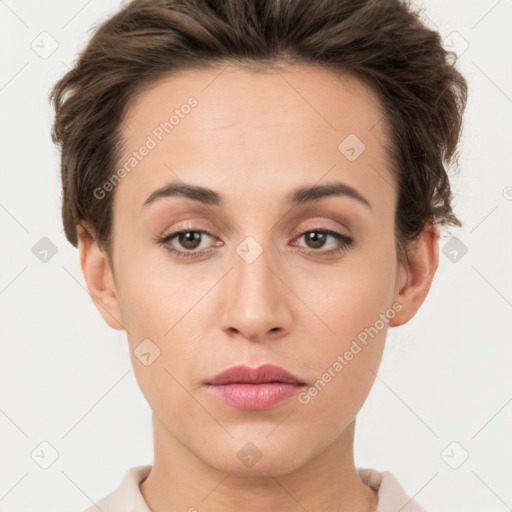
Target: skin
(254, 137)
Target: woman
(256, 191)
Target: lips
(266, 373)
(254, 389)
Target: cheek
(350, 297)
(345, 362)
(149, 297)
(353, 308)
(160, 331)
(164, 309)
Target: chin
(258, 458)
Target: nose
(257, 300)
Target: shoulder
(126, 497)
(392, 496)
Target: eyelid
(321, 223)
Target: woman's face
(266, 285)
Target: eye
(190, 240)
(316, 238)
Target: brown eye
(315, 239)
(187, 243)
(189, 239)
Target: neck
(179, 480)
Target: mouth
(264, 374)
(255, 389)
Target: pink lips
(255, 388)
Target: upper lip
(244, 374)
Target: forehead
(243, 130)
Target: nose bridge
(256, 302)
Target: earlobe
(98, 276)
(415, 280)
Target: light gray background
(66, 377)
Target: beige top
(128, 498)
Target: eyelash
(347, 242)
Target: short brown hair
(383, 43)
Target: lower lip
(255, 397)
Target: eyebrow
(296, 197)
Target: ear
(98, 276)
(414, 279)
